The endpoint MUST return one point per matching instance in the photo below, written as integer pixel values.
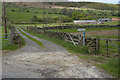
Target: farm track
(53, 61)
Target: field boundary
(70, 27)
(92, 42)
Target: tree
(13, 10)
(69, 13)
(50, 6)
(64, 11)
(47, 20)
(76, 15)
(89, 17)
(34, 18)
(44, 12)
(28, 11)
(67, 20)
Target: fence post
(98, 44)
(80, 40)
(11, 34)
(107, 47)
(83, 38)
(44, 30)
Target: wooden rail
(109, 43)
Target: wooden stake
(5, 19)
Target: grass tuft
(111, 66)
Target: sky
(103, 1)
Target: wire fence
(4, 41)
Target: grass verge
(23, 41)
(111, 66)
(10, 47)
(13, 46)
(6, 45)
(33, 39)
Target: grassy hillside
(92, 5)
(88, 5)
(25, 15)
(28, 4)
(38, 13)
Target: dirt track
(53, 61)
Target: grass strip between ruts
(33, 39)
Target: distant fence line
(71, 27)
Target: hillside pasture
(21, 14)
(15, 14)
(27, 17)
(60, 24)
(5, 42)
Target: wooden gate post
(44, 30)
(98, 44)
(107, 47)
(11, 34)
(80, 40)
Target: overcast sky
(103, 1)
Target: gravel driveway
(53, 61)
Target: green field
(21, 15)
(88, 29)
(111, 66)
(33, 10)
(5, 42)
(41, 25)
(26, 17)
(60, 24)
